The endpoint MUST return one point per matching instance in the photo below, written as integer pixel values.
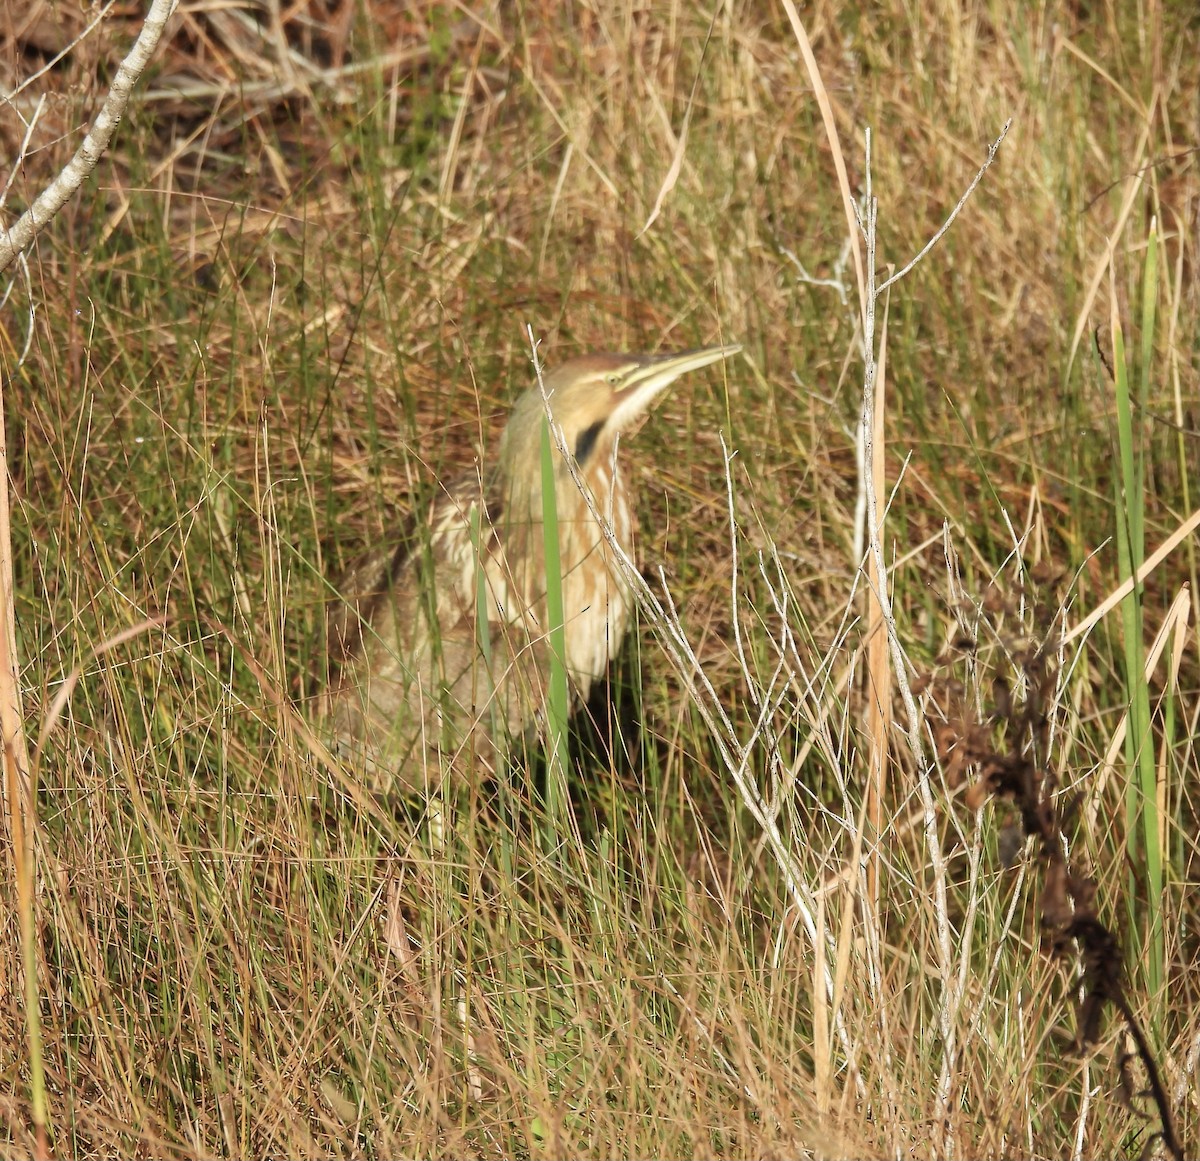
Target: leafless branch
(63, 187)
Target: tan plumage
(423, 679)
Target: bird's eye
(612, 378)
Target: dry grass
(296, 295)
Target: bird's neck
(526, 502)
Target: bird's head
(594, 398)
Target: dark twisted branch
(1019, 770)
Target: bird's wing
(417, 673)
(360, 589)
(423, 570)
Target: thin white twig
(962, 201)
(838, 283)
(1085, 1102)
(23, 151)
(10, 98)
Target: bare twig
(962, 201)
(63, 187)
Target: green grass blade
(1146, 765)
(557, 701)
(1141, 814)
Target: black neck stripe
(586, 442)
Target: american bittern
(443, 644)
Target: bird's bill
(661, 370)
(655, 374)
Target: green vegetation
(296, 296)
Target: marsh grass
(276, 319)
